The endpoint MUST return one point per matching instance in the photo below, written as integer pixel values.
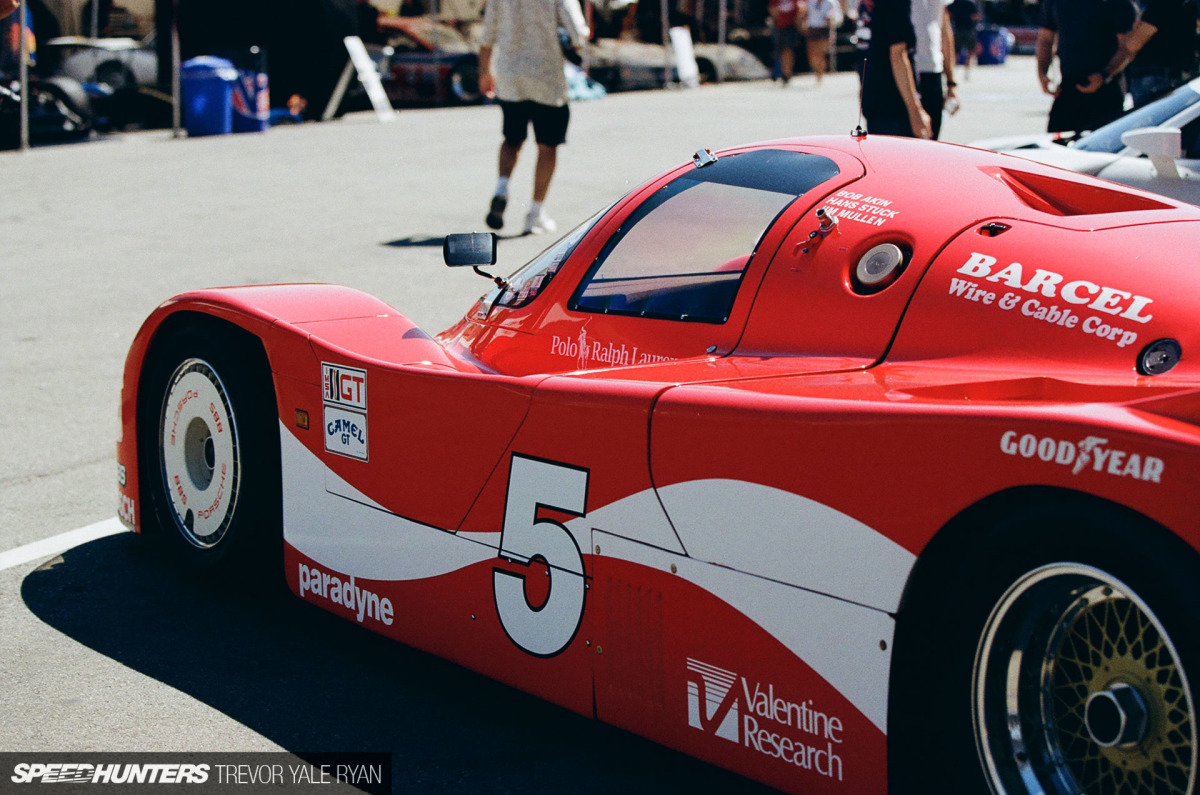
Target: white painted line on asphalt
(55, 545)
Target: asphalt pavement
(103, 650)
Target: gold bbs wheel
(1078, 688)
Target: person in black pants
(1162, 48)
(1084, 33)
(889, 91)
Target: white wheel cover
(198, 444)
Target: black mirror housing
(472, 249)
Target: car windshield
(528, 282)
(682, 253)
(1108, 138)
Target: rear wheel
(1050, 652)
(211, 450)
(1079, 687)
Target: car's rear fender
(286, 321)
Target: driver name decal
(1049, 297)
(870, 210)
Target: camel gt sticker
(346, 432)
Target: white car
(120, 63)
(621, 65)
(1155, 148)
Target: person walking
(889, 93)
(1084, 35)
(521, 65)
(784, 15)
(964, 18)
(824, 18)
(1160, 51)
(934, 57)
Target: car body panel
(708, 544)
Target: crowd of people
(907, 55)
(908, 51)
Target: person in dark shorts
(1084, 34)
(521, 65)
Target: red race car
(852, 464)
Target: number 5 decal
(542, 630)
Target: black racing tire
(1059, 657)
(116, 76)
(209, 441)
(464, 81)
(707, 70)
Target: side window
(682, 253)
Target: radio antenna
(858, 131)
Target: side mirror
(1163, 145)
(472, 249)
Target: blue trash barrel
(206, 85)
(994, 44)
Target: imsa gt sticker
(344, 386)
(344, 393)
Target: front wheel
(211, 450)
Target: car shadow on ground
(311, 682)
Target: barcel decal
(1042, 292)
(726, 705)
(344, 394)
(1089, 453)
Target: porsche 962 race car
(851, 464)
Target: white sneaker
(539, 222)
